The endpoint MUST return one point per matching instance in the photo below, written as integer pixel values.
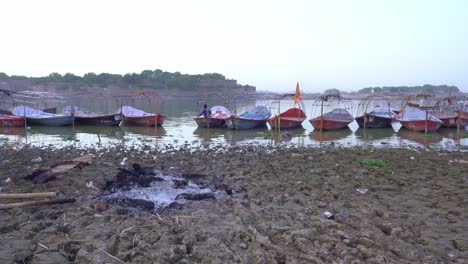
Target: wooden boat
(338, 118)
(292, 118)
(11, 121)
(41, 118)
(451, 111)
(414, 119)
(379, 117)
(216, 119)
(137, 117)
(254, 118)
(84, 117)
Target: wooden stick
(36, 203)
(112, 256)
(27, 195)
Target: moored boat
(11, 121)
(415, 119)
(254, 118)
(338, 118)
(137, 117)
(379, 117)
(41, 118)
(84, 117)
(215, 119)
(292, 118)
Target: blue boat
(41, 118)
(254, 118)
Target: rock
(49, 258)
(101, 206)
(367, 242)
(4, 163)
(459, 244)
(180, 184)
(175, 205)
(243, 245)
(386, 228)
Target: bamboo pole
(36, 203)
(425, 124)
(27, 195)
(321, 118)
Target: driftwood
(195, 196)
(27, 195)
(37, 203)
(42, 175)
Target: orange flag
(298, 94)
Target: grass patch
(426, 136)
(144, 139)
(464, 136)
(374, 163)
(68, 137)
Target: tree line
(156, 79)
(426, 89)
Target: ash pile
(147, 188)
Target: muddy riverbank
(388, 206)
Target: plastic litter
(362, 190)
(328, 215)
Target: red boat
(292, 118)
(337, 119)
(137, 117)
(11, 121)
(217, 119)
(417, 120)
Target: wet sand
(414, 210)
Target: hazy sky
(270, 44)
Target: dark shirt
(205, 112)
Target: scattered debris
(42, 175)
(343, 216)
(37, 160)
(27, 195)
(328, 215)
(37, 203)
(362, 190)
(90, 185)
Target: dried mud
(415, 209)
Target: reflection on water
(180, 129)
(374, 133)
(330, 135)
(419, 137)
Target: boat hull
(104, 120)
(210, 122)
(284, 122)
(11, 121)
(374, 121)
(292, 118)
(51, 121)
(243, 123)
(449, 122)
(329, 124)
(150, 120)
(420, 125)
